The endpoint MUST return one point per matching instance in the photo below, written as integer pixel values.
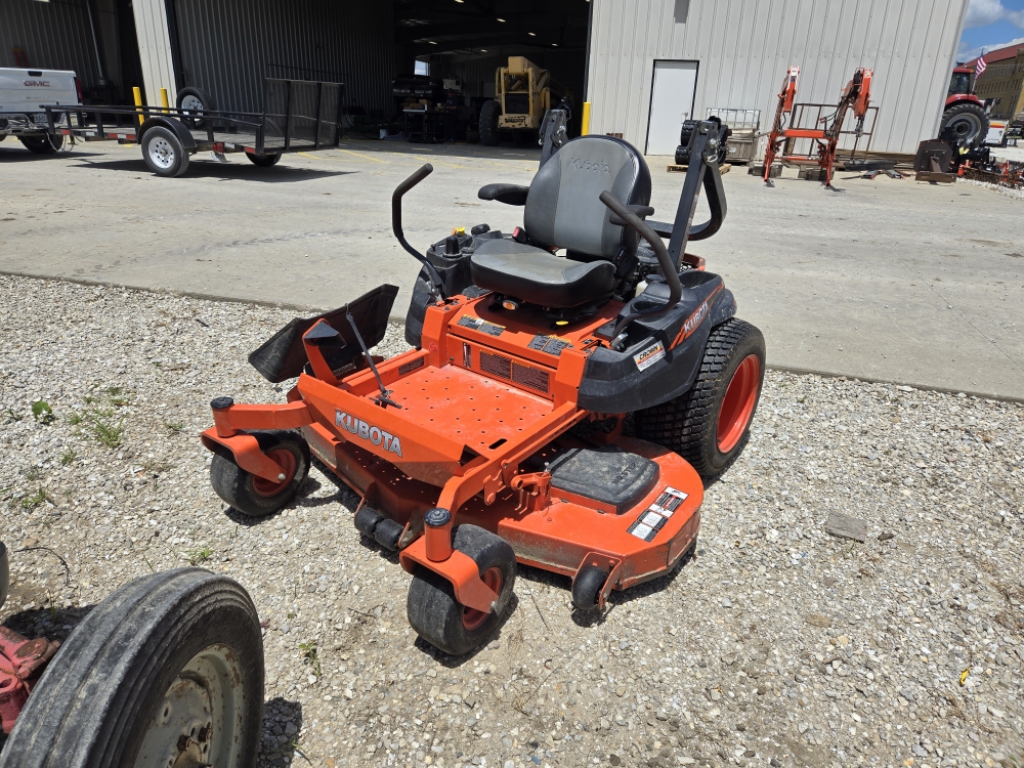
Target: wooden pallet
(724, 168)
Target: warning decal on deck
(648, 525)
(649, 356)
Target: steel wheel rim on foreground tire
(471, 617)
(269, 488)
(200, 719)
(161, 152)
(738, 404)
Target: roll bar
(396, 223)
(702, 173)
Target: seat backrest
(563, 209)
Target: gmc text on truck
(23, 93)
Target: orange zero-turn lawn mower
(559, 411)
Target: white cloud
(981, 13)
(967, 54)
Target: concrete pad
(892, 280)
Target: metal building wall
(53, 35)
(154, 49)
(744, 48)
(229, 46)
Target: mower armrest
(510, 194)
(662, 228)
(637, 210)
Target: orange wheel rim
(266, 488)
(471, 617)
(739, 402)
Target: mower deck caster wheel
(167, 671)
(366, 520)
(587, 586)
(257, 496)
(387, 533)
(433, 610)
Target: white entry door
(671, 104)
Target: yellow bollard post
(163, 101)
(586, 119)
(137, 93)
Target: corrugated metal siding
(54, 35)
(744, 48)
(229, 46)
(154, 49)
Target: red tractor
(965, 119)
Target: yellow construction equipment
(523, 92)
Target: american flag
(980, 67)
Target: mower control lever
(668, 267)
(396, 223)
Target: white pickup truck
(23, 92)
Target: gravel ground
(778, 644)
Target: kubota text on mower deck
(503, 437)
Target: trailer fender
(188, 141)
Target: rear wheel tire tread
(688, 424)
(489, 114)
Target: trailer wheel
(167, 671)
(439, 618)
(43, 145)
(264, 161)
(163, 152)
(195, 104)
(489, 114)
(257, 496)
(709, 425)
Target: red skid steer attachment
(21, 663)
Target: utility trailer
(298, 115)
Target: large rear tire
(43, 145)
(709, 425)
(965, 123)
(166, 671)
(489, 114)
(439, 618)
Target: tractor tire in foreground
(167, 671)
(257, 496)
(965, 123)
(489, 114)
(709, 425)
(433, 610)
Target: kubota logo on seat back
(375, 435)
(589, 165)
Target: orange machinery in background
(856, 96)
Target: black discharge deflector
(609, 475)
(283, 356)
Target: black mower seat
(563, 210)
(537, 276)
